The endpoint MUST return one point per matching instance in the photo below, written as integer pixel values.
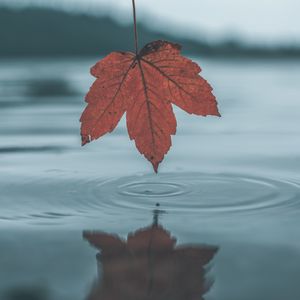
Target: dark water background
(231, 183)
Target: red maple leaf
(145, 84)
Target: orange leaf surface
(145, 86)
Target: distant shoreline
(45, 33)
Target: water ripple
(201, 193)
(177, 193)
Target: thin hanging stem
(135, 29)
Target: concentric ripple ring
(177, 193)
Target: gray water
(231, 184)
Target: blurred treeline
(46, 32)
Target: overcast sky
(253, 20)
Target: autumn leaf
(145, 85)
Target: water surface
(231, 185)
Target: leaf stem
(135, 29)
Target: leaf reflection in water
(149, 265)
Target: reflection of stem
(150, 265)
(156, 216)
(156, 213)
(151, 256)
(135, 29)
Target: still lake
(228, 191)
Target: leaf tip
(218, 114)
(155, 166)
(85, 139)
(93, 70)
